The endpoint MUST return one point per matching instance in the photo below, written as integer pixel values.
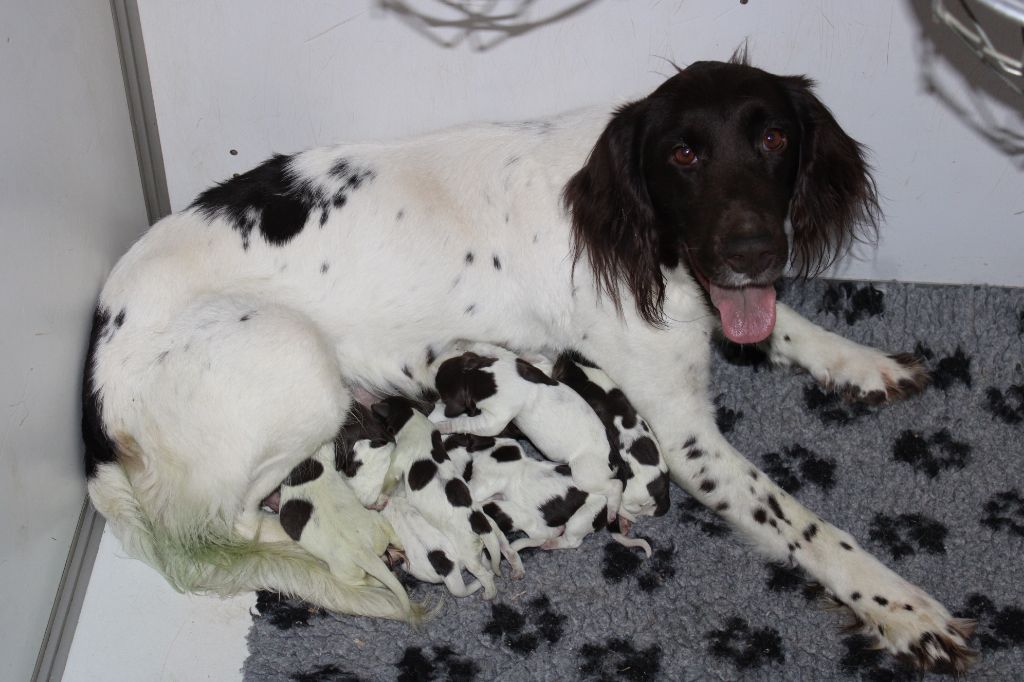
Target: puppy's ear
(613, 219)
(835, 201)
(381, 410)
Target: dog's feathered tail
(223, 562)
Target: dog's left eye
(774, 140)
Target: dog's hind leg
(855, 371)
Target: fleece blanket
(934, 486)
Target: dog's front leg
(665, 373)
(857, 372)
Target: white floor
(135, 627)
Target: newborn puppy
(362, 452)
(320, 511)
(439, 494)
(635, 454)
(428, 553)
(528, 495)
(487, 387)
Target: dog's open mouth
(748, 313)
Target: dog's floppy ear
(613, 219)
(835, 201)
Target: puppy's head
(704, 173)
(393, 413)
(462, 381)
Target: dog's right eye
(684, 155)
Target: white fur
(208, 430)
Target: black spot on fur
(851, 302)
(421, 473)
(324, 267)
(467, 472)
(507, 453)
(881, 601)
(563, 470)
(1004, 511)
(294, 515)
(693, 512)
(617, 659)
(796, 465)
(810, 532)
(438, 452)
(773, 504)
(478, 522)
(746, 647)
(658, 490)
(496, 262)
(458, 494)
(645, 451)
(304, 472)
(532, 374)
(440, 562)
(998, 628)
(499, 517)
(273, 198)
(469, 258)
(707, 486)
(325, 673)
(282, 612)
(470, 309)
(918, 451)
(760, 515)
(558, 510)
(470, 441)
(790, 579)
(1006, 406)
(99, 447)
(901, 534)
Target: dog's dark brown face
(704, 173)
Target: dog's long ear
(835, 201)
(613, 220)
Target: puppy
(429, 555)
(321, 512)
(362, 452)
(635, 454)
(528, 495)
(444, 499)
(486, 387)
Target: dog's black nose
(748, 255)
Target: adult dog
(228, 341)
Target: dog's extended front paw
(921, 632)
(864, 374)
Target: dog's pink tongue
(748, 314)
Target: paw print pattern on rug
(621, 562)
(1006, 406)
(418, 665)
(830, 408)
(725, 417)
(511, 626)
(1005, 512)
(618, 659)
(325, 673)
(284, 613)
(907, 534)
(852, 303)
(796, 466)
(931, 454)
(746, 647)
(693, 512)
(782, 578)
(998, 628)
(947, 370)
(865, 661)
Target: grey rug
(934, 486)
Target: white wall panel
(261, 76)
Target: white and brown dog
(227, 342)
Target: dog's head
(462, 382)
(704, 173)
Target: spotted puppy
(531, 496)
(435, 490)
(428, 554)
(486, 387)
(635, 454)
(322, 513)
(362, 452)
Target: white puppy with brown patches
(486, 387)
(439, 494)
(321, 512)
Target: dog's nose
(748, 255)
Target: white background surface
(70, 203)
(263, 76)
